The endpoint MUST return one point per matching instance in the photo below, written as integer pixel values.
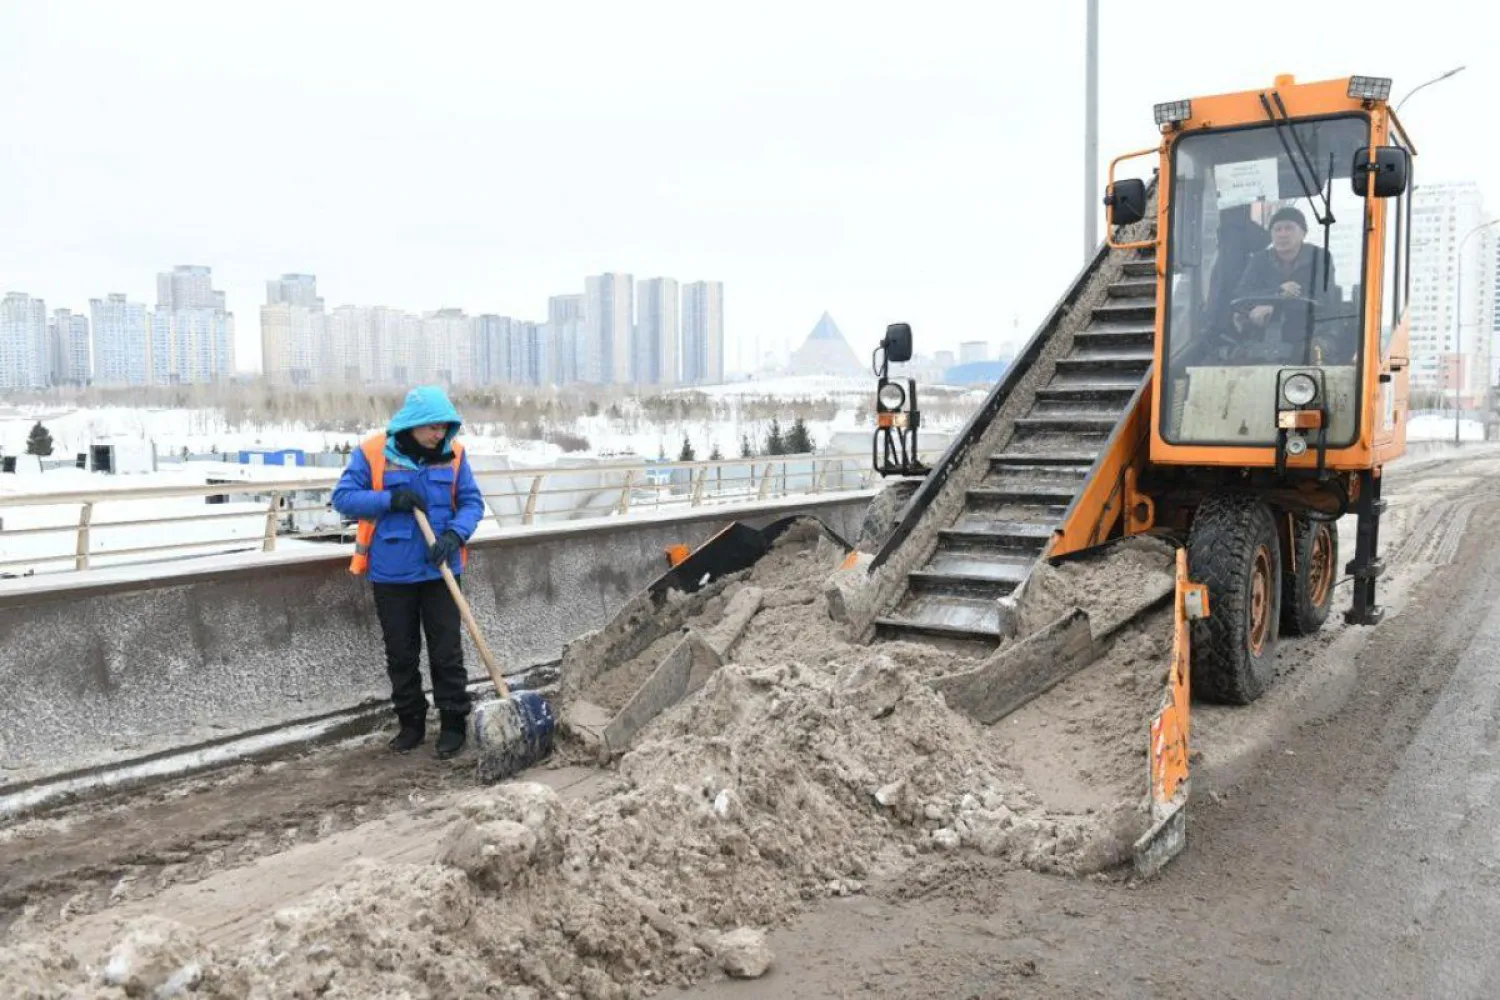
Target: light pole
(1437, 79)
(1458, 328)
(1091, 133)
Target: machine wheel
(1233, 548)
(1307, 591)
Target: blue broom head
(512, 734)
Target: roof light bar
(1370, 88)
(1173, 112)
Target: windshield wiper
(1311, 185)
(1312, 188)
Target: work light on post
(896, 414)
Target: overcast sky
(883, 161)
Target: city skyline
(819, 174)
(655, 332)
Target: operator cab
(1265, 257)
(1274, 252)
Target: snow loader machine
(1229, 372)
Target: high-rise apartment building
(294, 289)
(192, 332)
(121, 340)
(657, 332)
(606, 354)
(1450, 352)
(703, 333)
(298, 346)
(23, 342)
(443, 351)
(566, 329)
(68, 348)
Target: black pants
(406, 611)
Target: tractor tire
(1233, 548)
(880, 515)
(1307, 591)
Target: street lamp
(1458, 327)
(1090, 130)
(1437, 79)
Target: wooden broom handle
(464, 612)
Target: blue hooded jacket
(398, 553)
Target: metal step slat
(1085, 422)
(994, 565)
(1034, 441)
(1133, 288)
(1018, 534)
(1114, 360)
(1115, 311)
(895, 627)
(1115, 337)
(1080, 459)
(1119, 393)
(1086, 396)
(1041, 496)
(933, 584)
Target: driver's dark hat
(1290, 214)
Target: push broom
(514, 731)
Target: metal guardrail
(522, 497)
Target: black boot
(413, 731)
(451, 738)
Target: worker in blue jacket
(415, 464)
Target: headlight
(891, 396)
(1299, 389)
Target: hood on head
(426, 404)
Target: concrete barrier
(123, 663)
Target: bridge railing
(76, 530)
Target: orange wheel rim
(1320, 566)
(1260, 600)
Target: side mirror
(1391, 169)
(1126, 202)
(897, 343)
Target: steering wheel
(1249, 302)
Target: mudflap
(1168, 756)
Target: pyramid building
(825, 352)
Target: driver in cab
(1290, 268)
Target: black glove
(442, 550)
(406, 500)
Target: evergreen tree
(716, 455)
(775, 443)
(687, 454)
(40, 441)
(798, 440)
(746, 450)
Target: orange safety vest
(373, 449)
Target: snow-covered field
(1440, 428)
(845, 431)
(633, 432)
(117, 525)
